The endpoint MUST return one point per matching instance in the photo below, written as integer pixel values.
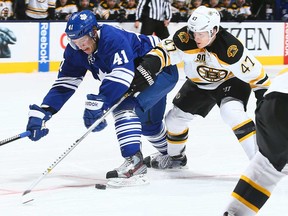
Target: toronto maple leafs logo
(83, 16)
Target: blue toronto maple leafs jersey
(112, 63)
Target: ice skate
(159, 161)
(130, 173)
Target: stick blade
(26, 192)
(26, 197)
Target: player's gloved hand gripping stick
(64, 154)
(93, 111)
(145, 74)
(36, 124)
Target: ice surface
(215, 161)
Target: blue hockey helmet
(80, 24)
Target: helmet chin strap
(210, 40)
(94, 36)
(212, 36)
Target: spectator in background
(213, 4)
(155, 16)
(226, 10)
(225, 4)
(97, 3)
(258, 9)
(179, 11)
(41, 10)
(4, 11)
(269, 11)
(19, 10)
(85, 5)
(283, 11)
(110, 10)
(241, 10)
(130, 7)
(7, 9)
(122, 2)
(193, 5)
(64, 8)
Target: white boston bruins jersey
(211, 66)
(38, 9)
(66, 9)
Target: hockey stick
(16, 137)
(64, 154)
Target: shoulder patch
(182, 40)
(183, 36)
(232, 51)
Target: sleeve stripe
(116, 79)
(121, 75)
(154, 40)
(263, 80)
(68, 82)
(36, 113)
(65, 85)
(164, 55)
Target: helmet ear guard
(203, 19)
(72, 44)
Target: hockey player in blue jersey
(113, 56)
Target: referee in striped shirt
(155, 16)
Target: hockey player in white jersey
(263, 173)
(40, 10)
(219, 70)
(112, 56)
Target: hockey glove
(94, 111)
(36, 122)
(259, 94)
(143, 78)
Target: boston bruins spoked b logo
(211, 74)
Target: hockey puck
(100, 186)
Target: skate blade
(178, 168)
(137, 180)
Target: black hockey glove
(146, 69)
(259, 94)
(143, 78)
